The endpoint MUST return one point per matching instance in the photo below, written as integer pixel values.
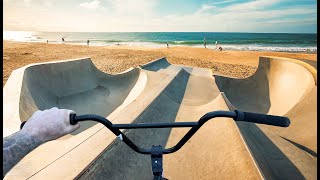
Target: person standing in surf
(88, 41)
(205, 43)
(62, 40)
(216, 44)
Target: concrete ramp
(156, 65)
(216, 151)
(162, 65)
(75, 84)
(285, 87)
(278, 86)
(164, 92)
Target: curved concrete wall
(276, 86)
(75, 84)
(280, 86)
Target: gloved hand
(49, 124)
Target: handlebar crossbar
(195, 126)
(155, 125)
(156, 152)
(115, 128)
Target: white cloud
(142, 15)
(287, 21)
(205, 8)
(252, 5)
(223, 2)
(95, 4)
(239, 20)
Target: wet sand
(115, 59)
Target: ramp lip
(73, 60)
(56, 61)
(155, 61)
(307, 66)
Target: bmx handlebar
(195, 126)
(262, 119)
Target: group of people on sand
(63, 41)
(217, 45)
(205, 45)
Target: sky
(279, 16)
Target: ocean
(228, 41)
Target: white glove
(49, 124)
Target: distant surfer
(205, 43)
(88, 41)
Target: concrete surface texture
(163, 92)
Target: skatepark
(163, 92)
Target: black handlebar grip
(262, 119)
(72, 119)
(22, 124)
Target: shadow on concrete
(82, 88)
(270, 159)
(118, 161)
(312, 153)
(250, 94)
(156, 65)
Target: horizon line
(163, 32)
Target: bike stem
(156, 162)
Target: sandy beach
(115, 59)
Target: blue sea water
(229, 41)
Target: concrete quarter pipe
(163, 92)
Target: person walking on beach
(62, 40)
(88, 41)
(167, 45)
(47, 41)
(205, 43)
